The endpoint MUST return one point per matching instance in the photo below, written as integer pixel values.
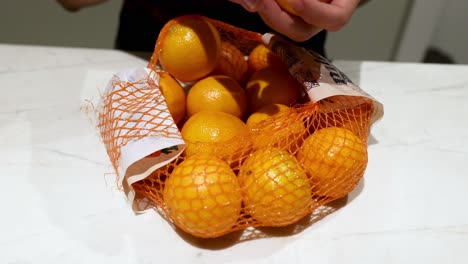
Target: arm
(75, 5)
(312, 15)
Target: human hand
(312, 15)
(75, 5)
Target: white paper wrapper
(136, 127)
(318, 76)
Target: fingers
(313, 15)
(332, 16)
(249, 5)
(285, 23)
(75, 5)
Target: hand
(75, 5)
(312, 15)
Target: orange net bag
(285, 167)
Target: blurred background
(432, 31)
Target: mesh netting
(290, 166)
(133, 111)
(280, 203)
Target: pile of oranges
(251, 157)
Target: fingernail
(250, 5)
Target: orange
(174, 95)
(275, 187)
(351, 119)
(203, 196)
(334, 159)
(212, 132)
(262, 57)
(217, 93)
(276, 125)
(348, 112)
(189, 47)
(231, 63)
(272, 86)
(265, 113)
(284, 4)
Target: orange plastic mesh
(291, 186)
(130, 112)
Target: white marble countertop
(59, 207)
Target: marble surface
(59, 205)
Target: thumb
(249, 5)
